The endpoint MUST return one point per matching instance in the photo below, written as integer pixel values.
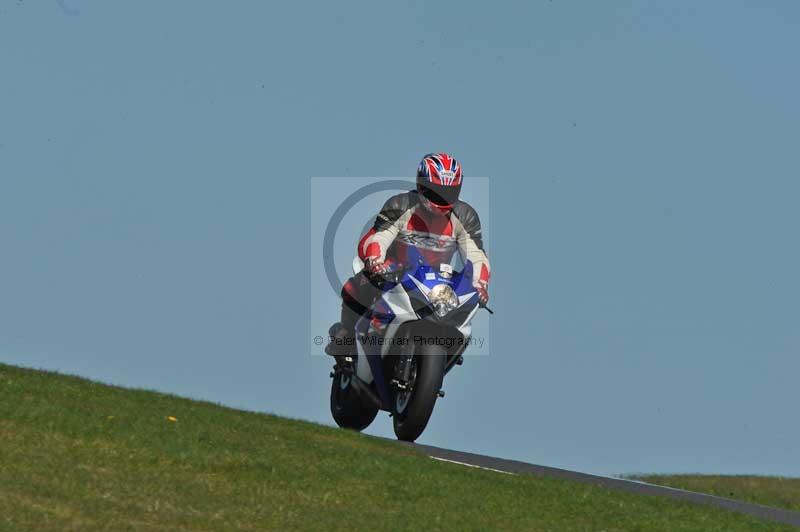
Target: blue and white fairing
(409, 300)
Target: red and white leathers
(405, 221)
(408, 220)
(437, 234)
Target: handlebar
(400, 268)
(397, 267)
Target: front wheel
(347, 409)
(412, 408)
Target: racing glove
(482, 287)
(376, 266)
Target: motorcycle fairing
(405, 301)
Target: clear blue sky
(154, 172)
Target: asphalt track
(521, 468)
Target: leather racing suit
(403, 223)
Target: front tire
(412, 411)
(347, 409)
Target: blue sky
(154, 217)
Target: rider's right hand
(376, 266)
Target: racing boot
(341, 345)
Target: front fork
(402, 373)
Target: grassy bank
(769, 491)
(78, 455)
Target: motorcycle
(412, 337)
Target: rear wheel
(347, 409)
(413, 407)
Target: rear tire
(347, 409)
(412, 416)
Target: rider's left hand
(482, 287)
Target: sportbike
(412, 337)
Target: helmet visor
(442, 195)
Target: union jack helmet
(439, 179)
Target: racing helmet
(439, 180)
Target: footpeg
(440, 393)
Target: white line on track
(472, 465)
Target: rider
(430, 219)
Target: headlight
(443, 299)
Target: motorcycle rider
(430, 219)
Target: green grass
(78, 455)
(779, 492)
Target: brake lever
(487, 308)
(392, 276)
